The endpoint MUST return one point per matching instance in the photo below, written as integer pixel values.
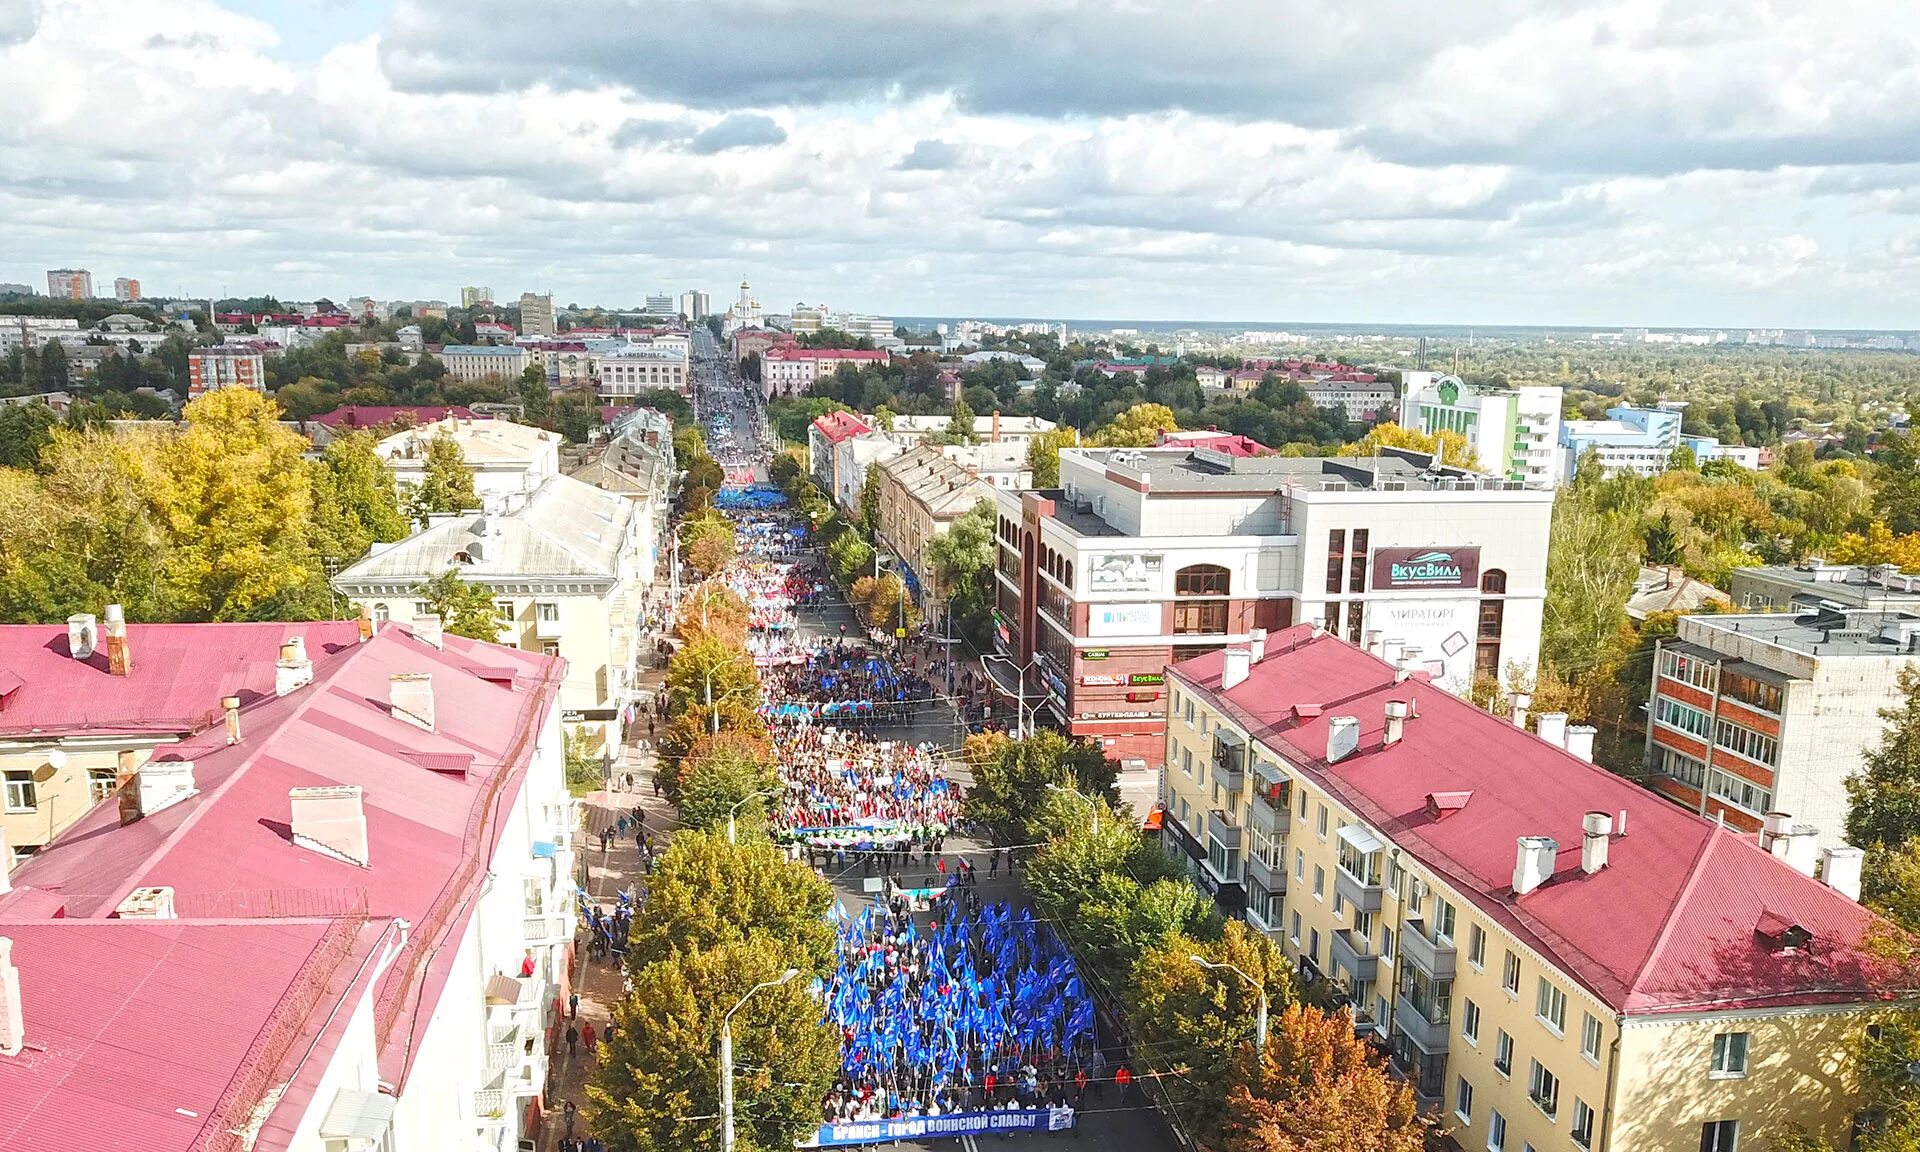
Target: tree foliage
(704, 892)
(1452, 447)
(1317, 1088)
(962, 558)
(710, 786)
(709, 671)
(710, 608)
(446, 484)
(464, 609)
(1011, 778)
(708, 542)
(355, 500)
(1137, 427)
(1043, 455)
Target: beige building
(536, 315)
(921, 494)
(484, 361)
(1553, 957)
(84, 701)
(564, 567)
(504, 457)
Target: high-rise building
(694, 304)
(536, 315)
(475, 297)
(1514, 432)
(660, 304)
(126, 290)
(70, 284)
(226, 366)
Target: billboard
(1438, 566)
(1436, 634)
(1125, 572)
(1123, 619)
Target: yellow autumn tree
(1138, 427)
(1454, 450)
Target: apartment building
(1146, 557)
(484, 361)
(70, 284)
(474, 296)
(789, 370)
(1552, 958)
(824, 437)
(636, 368)
(1513, 432)
(1749, 714)
(504, 457)
(694, 304)
(921, 494)
(990, 428)
(126, 289)
(564, 565)
(536, 315)
(26, 332)
(1816, 584)
(340, 918)
(227, 366)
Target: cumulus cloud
(1545, 160)
(738, 130)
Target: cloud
(930, 156)
(18, 20)
(737, 130)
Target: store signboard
(1124, 572)
(1139, 678)
(1102, 680)
(1441, 566)
(1435, 634)
(1123, 619)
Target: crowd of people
(841, 791)
(848, 682)
(984, 1012)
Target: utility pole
(726, 1057)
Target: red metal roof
(180, 672)
(1667, 925)
(227, 851)
(839, 426)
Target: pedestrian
(1080, 1088)
(573, 1006)
(993, 866)
(573, 1042)
(1123, 1078)
(571, 1112)
(586, 1037)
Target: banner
(1442, 566)
(954, 1125)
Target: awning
(544, 848)
(1357, 837)
(1268, 773)
(502, 989)
(358, 1116)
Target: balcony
(1230, 760)
(545, 626)
(1432, 956)
(1351, 959)
(545, 930)
(1364, 896)
(1272, 877)
(490, 1107)
(1222, 829)
(1427, 1035)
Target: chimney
(1597, 829)
(1318, 629)
(160, 785)
(1552, 727)
(1840, 869)
(1403, 670)
(366, 623)
(426, 629)
(83, 634)
(996, 426)
(1397, 713)
(147, 904)
(1234, 672)
(1533, 865)
(1257, 644)
(1520, 702)
(1580, 741)
(410, 697)
(294, 670)
(1773, 832)
(126, 785)
(231, 706)
(1343, 738)
(13, 1027)
(119, 653)
(331, 820)
(1802, 848)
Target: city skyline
(1591, 166)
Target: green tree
(959, 429)
(1043, 455)
(464, 609)
(708, 542)
(1011, 779)
(1884, 811)
(708, 671)
(25, 429)
(657, 1085)
(704, 893)
(446, 484)
(585, 770)
(1319, 1088)
(1137, 427)
(962, 558)
(355, 500)
(850, 557)
(1682, 459)
(53, 367)
(870, 500)
(85, 533)
(713, 784)
(1590, 572)
(1452, 447)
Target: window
(1395, 874)
(1356, 620)
(1299, 864)
(1186, 761)
(1677, 715)
(1688, 669)
(1431, 998)
(20, 792)
(1751, 692)
(1470, 1021)
(1296, 930)
(1503, 1053)
(1339, 905)
(1319, 882)
(422, 608)
(1739, 792)
(1476, 946)
(1336, 555)
(1386, 940)
(1510, 974)
(1313, 950)
(1321, 823)
(100, 783)
(1550, 1005)
(1543, 1088)
(1730, 1054)
(503, 611)
(1682, 767)
(1496, 1132)
(1357, 562)
(1203, 617)
(1582, 1123)
(1720, 1136)
(1200, 580)
(1463, 1101)
(1486, 654)
(1590, 1036)
(1303, 806)
(380, 613)
(548, 613)
(1745, 741)
(550, 648)
(1442, 920)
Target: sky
(1738, 163)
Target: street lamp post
(736, 807)
(726, 1057)
(1020, 719)
(1260, 1019)
(1091, 803)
